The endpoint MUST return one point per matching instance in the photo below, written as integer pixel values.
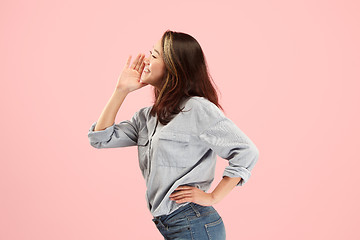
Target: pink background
(288, 73)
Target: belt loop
(195, 210)
(157, 220)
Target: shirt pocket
(143, 148)
(174, 150)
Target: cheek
(159, 69)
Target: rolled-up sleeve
(230, 143)
(123, 134)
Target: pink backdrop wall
(288, 72)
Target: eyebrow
(156, 51)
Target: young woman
(178, 138)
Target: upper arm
(230, 143)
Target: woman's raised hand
(129, 79)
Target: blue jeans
(192, 221)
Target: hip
(192, 221)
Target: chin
(144, 80)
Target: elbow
(256, 152)
(254, 155)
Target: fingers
(177, 197)
(182, 192)
(142, 66)
(139, 63)
(135, 65)
(184, 187)
(184, 200)
(128, 62)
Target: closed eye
(152, 55)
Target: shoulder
(145, 110)
(202, 113)
(143, 114)
(204, 107)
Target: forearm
(107, 117)
(224, 187)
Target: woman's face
(154, 66)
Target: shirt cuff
(102, 135)
(238, 172)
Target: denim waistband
(183, 210)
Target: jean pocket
(174, 149)
(216, 229)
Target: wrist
(214, 200)
(121, 90)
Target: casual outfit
(183, 152)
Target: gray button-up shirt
(183, 152)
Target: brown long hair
(186, 75)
